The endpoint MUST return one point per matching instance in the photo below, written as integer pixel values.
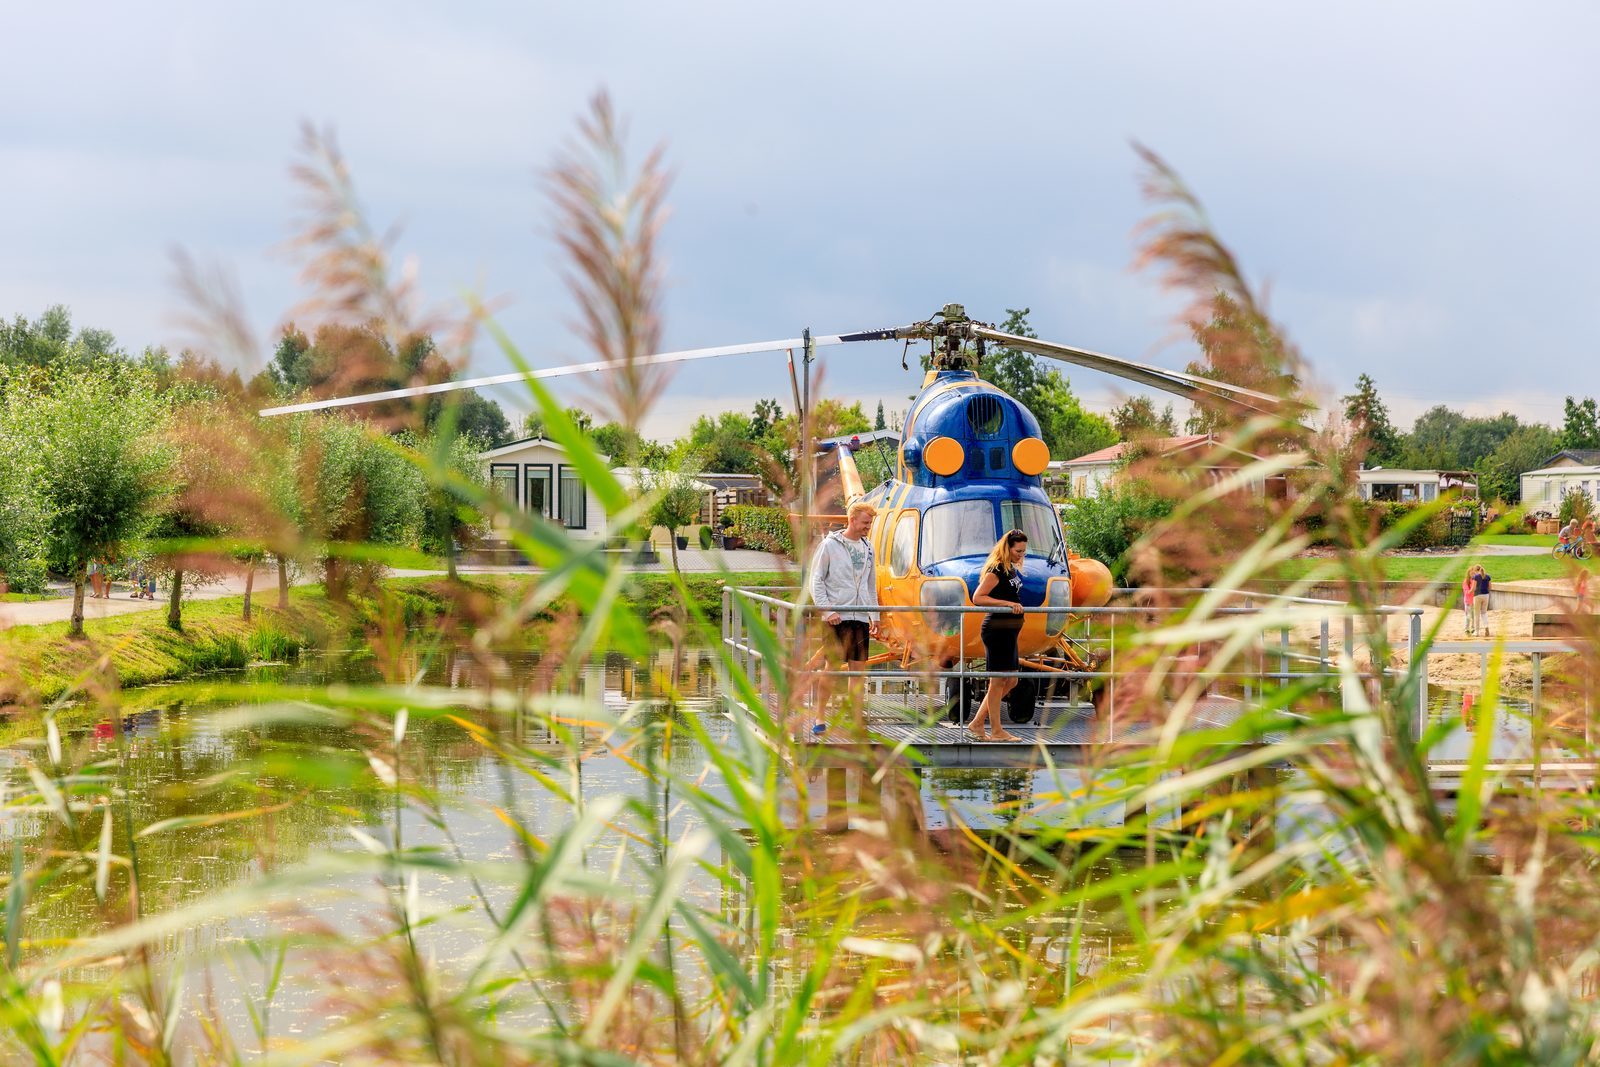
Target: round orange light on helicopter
(944, 455)
(1030, 455)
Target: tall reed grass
(1287, 889)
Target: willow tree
(88, 448)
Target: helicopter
(969, 467)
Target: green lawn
(1534, 540)
(1431, 568)
(23, 598)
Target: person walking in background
(843, 575)
(1000, 586)
(1480, 599)
(1467, 588)
(97, 579)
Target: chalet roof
(1161, 446)
(517, 446)
(1583, 457)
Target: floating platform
(1064, 736)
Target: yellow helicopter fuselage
(967, 470)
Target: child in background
(1468, 587)
(1480, 598)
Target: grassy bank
(1434, 568)
(139, 648)
(41, 664)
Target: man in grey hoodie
(843, 573)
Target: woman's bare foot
(1005, 735)
(976, 735)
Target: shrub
(1378, 516)
(1105, 526)
(763, 529)
(707, 540)
(1575, 504)
(270, 644)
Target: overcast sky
(1417, 183)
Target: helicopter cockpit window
(1040, 523)
(904, 549)
(960, 528)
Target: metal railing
(785, 620)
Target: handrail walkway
(897, 720)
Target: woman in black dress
(1000, 587)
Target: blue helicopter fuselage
(969, 465)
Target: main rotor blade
(682, 356)
(1188, 386)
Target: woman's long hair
(999, 559)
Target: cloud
(1414, 181)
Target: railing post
(1419, 659)
(1283, 657)
(1249, 689)
(1322, 646)
(1111, 685)
(1538, 658)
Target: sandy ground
(1516, 670)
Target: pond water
(265, 799)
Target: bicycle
(1577, 548)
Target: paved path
(1512, 550)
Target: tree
(829, 418)
(626, 447)
(677, 497)
(1376, 438)
(1524, 449)
(477, 417)
(206, 464)
(449, 462)
(92, 457)
(533, 423)
(360, 491)
(23, 554)
(48, 341)
(342, 360)
(727, 443)
(764, 417)
(1137, 417)
(1580, 426)
(1445, 439)
(879, 423)
(1067, 428)
(1242, 349)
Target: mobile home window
(536, 496)
(503, 480)
(574, 505)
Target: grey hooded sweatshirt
(836, 580)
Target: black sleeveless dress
(1001, 628)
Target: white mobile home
(534, 475)
(1574, 470)
(1415, 487)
